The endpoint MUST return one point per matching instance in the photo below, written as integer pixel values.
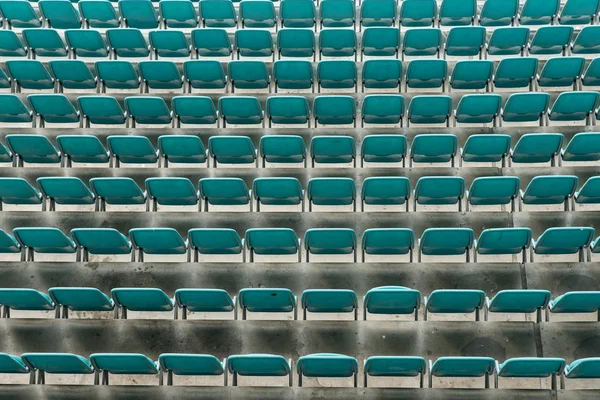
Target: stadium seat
(129, 149)
(338, 43)
(338, 110)
(86, 43)
(457, 12)
(116, 74)
(289, 110)
(446, 241)
(182, 149)
(19, 14)
(338, 14)
(179, 14)
(19, 191)
(127, 43)
(516, 73)
(503, 241)
(591, 75)
(537, 148)
(6, 155)
(9, 245)
(385, 190)
(157, 241)
(332, 149)
(589, 193)
(72, 74)
(56, 363)
(148, 110)
(59, 14)
(53, 108)
(217, 14)
(12, 110)
(191, 364)
(204, 74)
(425, 42)
(138, 14)
(331, 192)
(169, 43)
(329, 301)
(478, 109)
(267, 300)
(275, 191)
(5, 81)
(578, 12)
(298, 14)
(242, 110)
(380, 42)
(204, 300)
(381, 74)
(583, 368)
(395, 366)
(397, 300)
(45, 241)
(11, 45)
(561, 72)
(103, 110)
(574, 106)
(584, 146)
(159, 74)
(223, 192)
(293, 74)
(462, 367)
(550, 189)
(433, 148)
(418, 14)
(215, 241)
(249, 74)
(429, 110)
(295, 43)
(551, 40)
(426, 74)
(198, 110)
(329, 365)
(526, 107)
(32, 149)
(98, 15)
(272, 241)
(576, 302)
(100, 241)
(383, 13)
(493, 190)
(118, 191)
(382, 109)
(508, 41)
(539, 12)
(329, 241)
(337, 74)
(454, 301)
(80, 299)
(24, 300)
(387, 241)
(566, 240)
(29, 74)
(486, 148)
(253, 42)
(519, 301)
(282, 149)
(465, 41)
(209, 42)
(67, 190)
(471, 75)
(530, 367)
(383, 149)
(232, 150)
(439, 190)
(10, 364)
(259, 365)
(171, 191)
(586, 42)
(123, 364)
(498, 13)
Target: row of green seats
(317, 365)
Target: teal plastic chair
(337, 74)
(223, 192)
(576, 302)
(204, 74)
(388, 300)
(387, 241)
(29, 74)
(591, 75)
(454, 301)
(382, 109)
(436, 190)
(583, 368)
(574, 106)
(259, 365)
(425, 42)
(100, 241)
(191, 364)
(340, 42)
(433, 148)
(11, 45)
(118, 191)
(258, 14)
(478, 109)
(494, 190)
(242, 110)
(45, 241)
(282, 149)
(429, 110)
(578, 12)
(140, 299)
(182, 149)
(56, 363)
(116, 74)
(457, 13)
(328, 365)
(86, 42)
(329, 301)
(293, 74)
(586, 41)
(6, 155)
(296, 42)
(211, 42)
(589, 193)
(331, 192)
(339, 110)
(217, 14)
(96, 14)
(138, 14)
(385, 190)
(65, 190)
(383, 13)
(330, 241)
(13, 110)
(204, 300)
(380, 42)
(503, 241)
(277, 192)
(381, 74)
(179, 14)
(519, 301)
(5, 81)
(44, 42)
(550, 189)
(550, 40)
(157, 241)
(383, 149)
(171, 191)
(9, 245)
(215, 241)
(104, 110)
(151, 110)
(272, 241)
(123, 364)
(24, 300)
(267, 300)
(249, 74)
(426, 74)
(298, 14)
(19, 191)
(332, 149)
(129, 149)
(526, 107)
(253, 43)
(517, 73)
(462, 367)
(498, 13)
(561, 72)
(537, 148)
(198, 110)
(508, 41)
(536, 12)
(59, 14)
(10, 364)
(472, 75)
(564, 240)
(18, 14)
(339, 14)
(159, 74)
(486, 148)
(232, 150)
(53, 108)
(127, 43)
(465, 41)
(418, 14)
(446, 241)
(72, 74)
(289, 110)
(395, 366)
(32, 149)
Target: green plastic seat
(478, 108)
(13, 110)
(282, 148)
(519, 301)
(242, 110)
(124, 364)
(380, 42)
(190, 364)
(537, 147)
(337, 14)
(138, 14)
(104, 110)
(486, 148)
(583, 368)
(5, 81)
(296, 42)
(53, 108)
(199, 110)
(157, 241)
(59, 14)
(258, 14)
(259, 365)
(169, 43)
(503, 241)
(508, 41)
(81, 299)
(437, 190)
(329, 365)
(574, 106)
(179, 14)
(223, 192)
(461, 367)
(127, 43)
(330, 192)
(99, 14)
(578, 12)
(45, 240)
(214, 241)
(516, 73)
(586, 41)
(101, 241)
(471, 75)
(384, 148)
(159, 74)
(385, 190)
(395, 366)
(44, 42)
(33, 149)
(337, 43)
(10, 364)
(293, 74)
(561, 72)
(457, 12)
(217, 14)
(418, 14)
(539, 12)
(266, 300)
(429, 110)
(232, 150)
(446, 241)
(6, 156)
(11, 45)
(72, 74)
(86, 42)
(8, 244)
(129, 149)
(434, 148)
(57, 363)
(382, 74)
(253, 42)
(383, 13)
(29, 74)
(551, 40)
(494, 190)
(339, 110)
(336, 74)
(18, 191)
(498, 13)
(171, 191)
(332, 149)
(526, 107)
(141, 299)
(249, 74)
(550, 189)
(117, 74)
(277, 191)
(20, 14)
(292, 110)
(591, 76)
(298, 14)
(204, 300)
(564, 240)
(204, 74)
(389, 300)
(465, 41)
(329, 301)
(65, 190)
(182, 149)
(426, 74)
(330, 241)
(382, 109)
(575, 302)
(147, 109)
(455, 301)
(210, 42)
(25, 299)
(387, 241)
(117, 191)
(589, 192)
